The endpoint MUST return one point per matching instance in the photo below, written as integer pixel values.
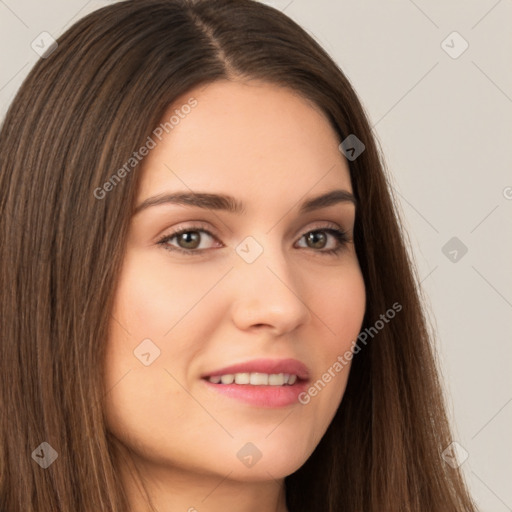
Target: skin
(271, 149)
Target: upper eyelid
(319, 225)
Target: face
(269, 290)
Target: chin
(266, 459)
(266, 470)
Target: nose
(268, 294)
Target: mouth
(255, 379)
(261, 383)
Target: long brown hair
(78, 117)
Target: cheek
(339, 302)
(163, 310)
(154, 297)
(146, 303)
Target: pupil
(316, 236)
(190, 239)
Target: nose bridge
(262, 260)
(268, 291)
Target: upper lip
(269, 366)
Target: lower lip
(261, 396)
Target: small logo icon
(44, 455)
(249, 249)
(351, 147)
(454, 249)
(454, 45)
(454, 455)
(44, 45)
(146, 352)
(249, 455)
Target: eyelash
(340, 235)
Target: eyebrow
(231, 205)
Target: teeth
(259, 379)
(276, 379)
(227, 379)
(242, 378)
(255, 379)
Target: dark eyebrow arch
(231, 205)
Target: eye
(188, 240)
(318, 239)
(192, 240)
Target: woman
(207, 301)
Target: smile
(255, 379)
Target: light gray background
(445, 125)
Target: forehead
(246, 139)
